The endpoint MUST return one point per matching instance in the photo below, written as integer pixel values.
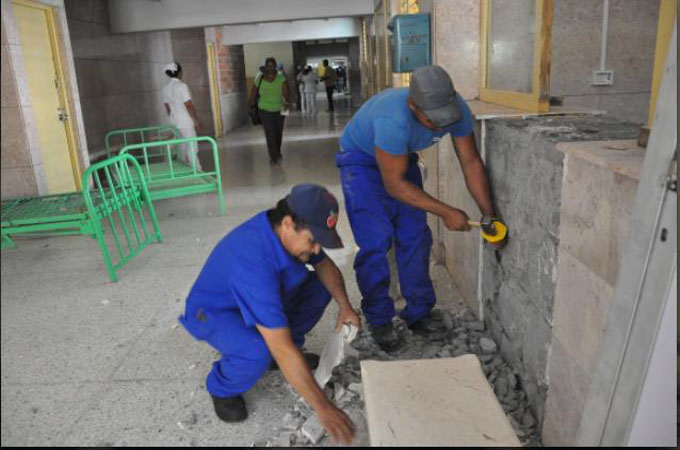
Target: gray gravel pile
(461, 334)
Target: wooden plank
(433, 402)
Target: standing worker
(329, 79)
(182, 112)
(273, 98)
(255, 300)
(310, 81)
(384, 196)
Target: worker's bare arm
(393, 172)
(474, 172)
(331, 278)
(295, 370)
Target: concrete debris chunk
(284, 440)
(459, 352)
(487, 345)
(357, 388)
(501, 387)
(447, 321)
(430, 351)
(475, 326)
(313, 430)
(528, 420)
(485, 359)
(338, 391)
(291, 421)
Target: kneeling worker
(255, 300)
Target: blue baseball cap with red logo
(319, 209)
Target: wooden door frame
(213, 76)
(538, 100)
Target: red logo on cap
(332, 219)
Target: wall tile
(576, 35)
(565, 397)
(587, 214)
(17, 182)
(629, 107)
(456, 43)
(632, 41)
(582, 301)
(14, 144)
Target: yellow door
(45, 84)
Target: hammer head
(487, 225)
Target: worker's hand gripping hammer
(493, 230)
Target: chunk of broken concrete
(313, 430)
(291, 421)
(501, 387)
(447, 321)
(475, 326)
(528, 420)
(338, 391)
(487, 345)
(281, 441)
(357, 388)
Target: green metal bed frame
(167, 177)
(112, 210)
(128, 136)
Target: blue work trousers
(378, 221)
(245, 355)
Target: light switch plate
(603, 77)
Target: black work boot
(230, 409)
(311, 359)
(386, 337)
(428, 327)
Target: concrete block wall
(18, 176)
(597, 203)
(518, 286)
(189, 50)
(576, 43)
(120, 76)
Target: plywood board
(433, 402)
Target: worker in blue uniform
(254, 300)
(385, 200)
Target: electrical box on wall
(410, 41)
(603, 77)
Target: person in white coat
(182, 112)
(310, 81)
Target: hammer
(492, 230)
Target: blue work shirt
(249, 272)
(386, 121)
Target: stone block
(488, 346)
(587, 214)
(565, 399)
(582, 303)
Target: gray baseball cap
(432, 91)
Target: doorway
(38, 35)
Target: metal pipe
(605, 33)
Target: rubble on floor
(462, 334)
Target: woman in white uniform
(182, 112)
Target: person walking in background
(329, 79)
(274, 97)
(310, 81)
(301, 88)
(182, 113)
